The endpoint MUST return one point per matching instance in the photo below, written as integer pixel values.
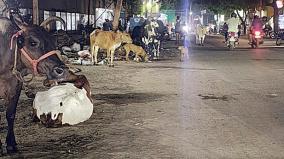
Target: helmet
(234, 15)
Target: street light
(279, 3)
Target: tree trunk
(276, 16)
(243, 21)
(35, 12)
(117, 15)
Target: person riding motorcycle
(233, 23)
(255, 25)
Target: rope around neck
(17, 73)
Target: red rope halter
(28, 57)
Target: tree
(171, 4)
(117, 15)
(229, 6)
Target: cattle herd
(145, 46)
(31, 49)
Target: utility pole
(35, 12)
(89, 10)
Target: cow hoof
(111, 65)
(11, 149)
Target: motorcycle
(257, 38)
(268, 32)
(232, 40)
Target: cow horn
(51, 19)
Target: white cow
(200, 34)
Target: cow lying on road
(107, 40)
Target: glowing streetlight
(279, 3)
(190, 13)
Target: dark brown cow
(35, 54)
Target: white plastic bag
(67, 99)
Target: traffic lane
(240, 114)
(208, 115)
(213, 41)
(258, 74)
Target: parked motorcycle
(257, 38)
(269, 33)
(232, 40)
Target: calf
(107, 40)
(138, 50)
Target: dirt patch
(127, 98)
(216, 98)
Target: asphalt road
(219, 104)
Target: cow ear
(18, 21)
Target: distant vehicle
(257, 38)
(232, 40)
(269, 33)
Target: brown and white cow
(107, 40)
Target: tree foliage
(171, 4)
(225, 6)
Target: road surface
(218, 104)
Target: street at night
(219, 104)
(142, 79)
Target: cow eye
(33, 43)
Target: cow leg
(96, 50)
(158, 49)
(196, 39)
(10, 116)
(127, 56)
(111, 52)
(92, 53)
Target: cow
(107, 40)
(150, 39)
(25, 49)
(200, 35)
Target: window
(77, 20)
(45, 14)
(69, 21)
(73, 21)
(58, 24)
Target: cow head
(124, 37)
(36, 42)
